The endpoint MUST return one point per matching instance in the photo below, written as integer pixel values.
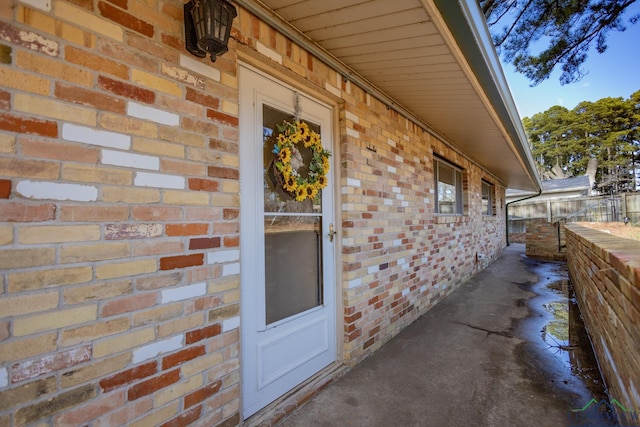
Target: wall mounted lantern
(207, 25)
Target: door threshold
(298, 396)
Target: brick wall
(119, 241)
(118, 157)
(399, 257)
(605, 273)
(541, 239)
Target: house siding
(119, 243)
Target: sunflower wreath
(289, 161)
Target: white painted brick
(354, 283)
(391, 142)
(130, 160)
(405, 292)
(404, 204)
(350, 116)
(397, 242)
(353, 133)
(373, 269)
(154, 349)
(391, 169)
(4, 377)
(334, 90)
(423, 288)
(348, 241)
(39, 4)
(199, 67)
(147, 179)
(231, 269)
(351, 182)
(56, 191)
(220, 257)
(400, 197)
(184, 292)
(231, 324)
(91, 136)
(396, 189)
(272, 54)
(154, 114)
(401, 261)
(388, 202)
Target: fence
(588, 209)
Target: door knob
(332, 232)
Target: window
(487, 198)
(448, 188)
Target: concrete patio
(479, 358)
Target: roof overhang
(431, 60)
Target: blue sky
(614, 73)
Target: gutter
(506, 212)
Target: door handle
(332, 232)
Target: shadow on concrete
(505, 349)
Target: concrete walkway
(475, 359)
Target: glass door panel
(293, 280)
(292, 230)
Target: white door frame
(314, 327)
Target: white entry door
(287, 249)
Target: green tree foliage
(568, 29)
(606, 131)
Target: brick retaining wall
(605, 272)
(542, 240)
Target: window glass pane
(293, 279)
(448, 186)
(446, 174)
(487, 199)
(276, 199)
(446, 198)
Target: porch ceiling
(422, 61)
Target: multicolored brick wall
(400, 258)
(605, 274)
(119, 233)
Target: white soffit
(405, 49)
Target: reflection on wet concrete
(557, 348)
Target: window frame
(490, 209)
(458, 174)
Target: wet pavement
(508, 348)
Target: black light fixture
(207, 25)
